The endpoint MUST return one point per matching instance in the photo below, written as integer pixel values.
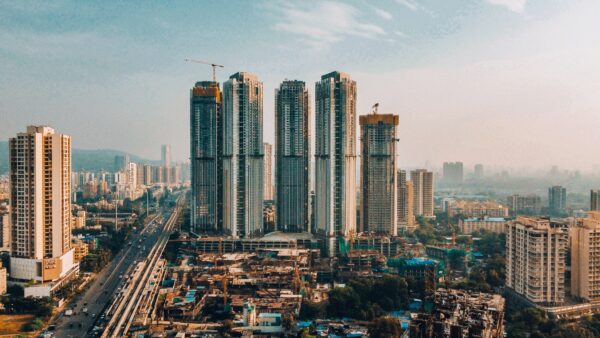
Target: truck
(69, 313)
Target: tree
(385, 327)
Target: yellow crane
(213, 65)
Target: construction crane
(213, 65)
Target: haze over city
(501, 82)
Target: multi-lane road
(119, 282)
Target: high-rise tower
(268, 178)
(378, 173)
(40, 187)
(243, 166)
(292, 116)
(205, 149)
(335, 155)
(423, 192)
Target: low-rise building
(2, 279)
(491, 224)
(81, 249)
(476, 209)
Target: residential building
(491, 224)
(292, 161)
(529, 205)
(335, 156)
(81, 249)
(40, 176)
(476, 209)
(453, 172)
(557, 200)
(405, 203)
(4, 228)
(3, 284)
(206, 138)
(585, 258)
(378, 173)
(594, 200)
(268, 180)
(535, 260)
(243, 165)
(423, 192)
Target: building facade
(405, 205)
(292, 137)
(243, 166)
(423, 192)
(205, 154)
(594, 200)
(585, 258)
(40, 176)
(529, 205)
(535, 260)
(268, 179)
(378, 173)
(491, 224)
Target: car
(93, 315)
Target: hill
(83, 159)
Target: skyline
(476, 65)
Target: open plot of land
(12, 324)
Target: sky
(509, 83)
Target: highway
(112, 282)
(135, 298)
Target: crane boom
(213, 65)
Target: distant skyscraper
(405, 205)
(292, 141)
(423, 192)
(453, 172)
(206, 137)
(557, 199)
(40, 176)
(268, 188)
(378, 173)
(121, 162)
(335, 155)
(165, 156)
(535, 260)
(243, 166)
(595, 200)
(478, 172)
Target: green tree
(385, 327)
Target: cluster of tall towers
(227, 160)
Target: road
(137, 291)
(107, 283)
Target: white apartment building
(585, 258)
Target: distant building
(405, 203)
(243, 165)
(335, 156)
(121, 162)
(491, 224)
(4, 228)
(478, 171)
(528, 205)
(453, 172)
(476, 209)
(585, 250)
(423, 192)
(292, 161)
(557, 200)
(40, 176)
(206, 133)
(378, 173)
(535, 260)
(594, 200)
(268, 181)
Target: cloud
(517, 6)
(383, 14)
(400, 34)
(323, 23)
(410, 4)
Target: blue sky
(501, 82)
